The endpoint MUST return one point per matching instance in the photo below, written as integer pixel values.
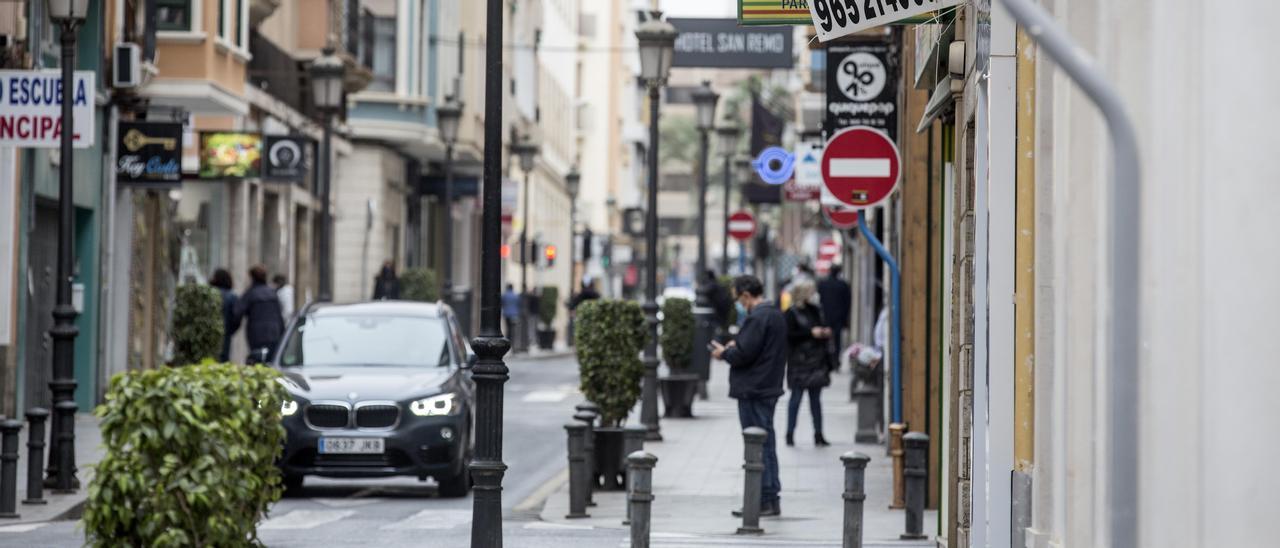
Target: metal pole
(446, 274)
(855, 473)
(326, 215)
(724, 240)
(64, 331)
(640, 484)
(490, 372)
(578, 470)
(895, 317)
(649, 403)
(522, 342)
(36, 417)
(916, 473)
(632, 441)
(1125, 269)
(704, 315)
(753, 438)
(9, 467)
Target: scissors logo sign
(861, 76)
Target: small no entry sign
(742, 226)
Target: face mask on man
(742, 309)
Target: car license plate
(352, 445)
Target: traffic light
(505, 251)
(534, 249)
(550, 253)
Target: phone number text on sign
(836, 18)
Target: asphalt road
(405, 512)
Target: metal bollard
(640, 495)
(753, 438)
(895, 453)
(916, 474)
(855, 473)
(577, 470)
(867, 397)
(9, 430)
(36, 417)
(589, 443)
(65, 411)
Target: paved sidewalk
(698, 478)
(66, 506)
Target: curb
(541, 356)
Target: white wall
(373, 175)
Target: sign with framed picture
(230, 155)
(288, 158)
(149, 153)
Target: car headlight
(288, 408)
(444, 404)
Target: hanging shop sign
(287, 158)
(31, 108)
(774, 165)
(225, 155)
(774, 12)
(862, 87)
(149, 153)
(721, 43)
(836, 18)
(808, 174)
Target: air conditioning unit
(128, 66)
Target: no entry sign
(860, 166)
(840, 217)
(742, 226)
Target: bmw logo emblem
(352, 396)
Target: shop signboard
(149, 153)
(31, 108)
(288, 158)
(774, 12)
(833, 18)
(721, 43)
(862, 86)
(230, 155)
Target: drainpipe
(895, 318)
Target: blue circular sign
(775, 165)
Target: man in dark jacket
(261, 306)
(757, 361)
(836, 297)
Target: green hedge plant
(548, 304)
(677, 333)
(419, 284)
(190, 457)
(608, 336)
(197, 324)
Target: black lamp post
(729, 135)
(490, 346)
(704, 98)
(571, 181)
(327, 74)
(448, 117)
(657, 40)
(526, 149)
(69, 15)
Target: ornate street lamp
(729, 135)
(704, 98)
(448, 118)
(327, 75)
(571, 181)
(657, 40)
(526, 150)
(69, 15)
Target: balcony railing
(281, 75)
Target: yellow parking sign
(774, 12)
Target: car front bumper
(416, 447)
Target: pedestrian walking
(757, 364)
(260, 307)
(836, 298)
(809, 362)
(511, 310)
(586, 293)
(221, 279)
(284, 292)
(386, 286)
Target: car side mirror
(470, 361)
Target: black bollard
(867, 398)
(577, 470)
(915, 477)
(9, 430)
(855, 473)
(36, 417)
(640, 495)
(65, 413)
(588, 418)
(753, 438)
(632, 441)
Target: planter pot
(611, 470)
(546, 339)
(678, 391)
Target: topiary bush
(419, 284)
(190, 457)
(608, 336)
(548, 304)
(197, 324)
(677, 333)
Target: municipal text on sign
(836, 18)
(31, 108)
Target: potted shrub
(547, 305)
(197, 324)
(419, 284)
(190, 457)
(608, 340)
(681, 384)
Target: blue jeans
(759, 412)
(815, 409)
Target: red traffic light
(505, 251)
(550, 252)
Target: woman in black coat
(809, 361)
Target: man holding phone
(757, 365)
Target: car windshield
(367, 340)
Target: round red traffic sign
(840, 218)
(860, 166)
(742, 226)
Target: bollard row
(753, 438)
(855, 473)
(577, 470)
(632, 441)
(587, 415)
(915, 475)
(640, 495)
(9, 431)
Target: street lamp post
(527, 150)
(327, 74)
(728, 146)
(657, 44)
(69, 15)
(490, 373)
(704, 98)
(448, 117)
(571, 182)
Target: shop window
(378, 50)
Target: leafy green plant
(419, 284)
(548, 304)
(677, 333)
(197, 324)
(608, 337)
(190, 457)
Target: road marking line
(543, 492)
(432, 519)
(305, 519)
(544, 396)
(860, 167)
(347, 502)
(557, 526)
(22, 527)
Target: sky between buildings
(700, 8)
